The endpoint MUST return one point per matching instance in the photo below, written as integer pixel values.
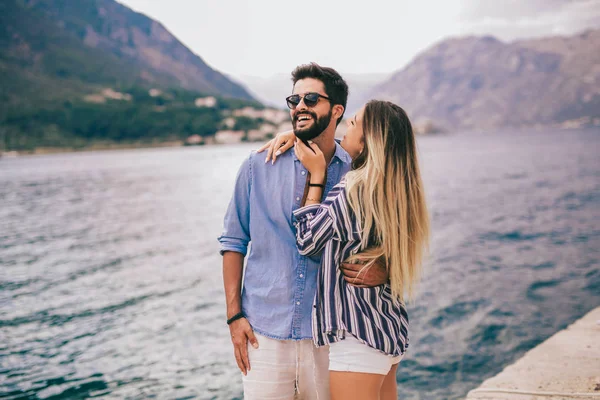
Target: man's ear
(337, 111)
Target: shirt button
(297, 303)
(297, 198)
(301, 275)
(303, 172)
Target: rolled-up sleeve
(236, 225)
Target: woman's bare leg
(389, 389)
(355, 385)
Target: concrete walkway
(566, 366)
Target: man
(273, 310)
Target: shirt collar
(340, 154)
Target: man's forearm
(233, 267)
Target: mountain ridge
(482, 82)
(102, 42)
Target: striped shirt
(372, 315)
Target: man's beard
(318, 126)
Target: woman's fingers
(264, 146)
(298, 151)
(315, 148)
(312, 147)
(301, 145)
(303, 149)
(285, 146)
(288, 145)
(277, 147)
(274, 144)
(270, 150)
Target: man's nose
(302, 105)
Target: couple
(337, 234)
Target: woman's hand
(313, 160)
(281, 143)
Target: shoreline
(210, 141)
(39, 151)
(564, 366)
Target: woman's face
(353, 141)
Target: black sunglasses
(310, 99)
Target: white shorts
(351, 355)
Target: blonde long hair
(386, 193)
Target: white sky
(266, 37)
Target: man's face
(310, 122)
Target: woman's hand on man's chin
(312, 158)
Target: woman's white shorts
(351, 355)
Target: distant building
(228, 137)
(111, 94)
(205, 102)
(194, 140)
(94, 98)
(107, 93)
(283, 127)
(154, 92)
(270, 114)
(255, 135)
(248, 112)
(229, 122)
(275, 116)
(266, 129)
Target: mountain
(482, 82)
(274, 89)
(51, 48)
(271, 90)
(360, 85)
(88, 73)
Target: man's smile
(303, 119)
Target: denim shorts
(351, 355)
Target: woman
(377, 209)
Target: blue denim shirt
(279, 284)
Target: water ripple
(111, 287)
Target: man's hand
(360, 276)
(241, 332)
